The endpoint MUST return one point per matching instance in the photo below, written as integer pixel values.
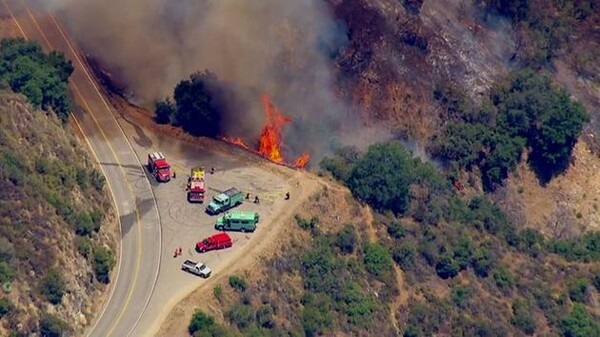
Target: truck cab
(237, 221)
(197, 268)
(217, 241)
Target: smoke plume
(284, 48)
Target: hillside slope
(56, 224)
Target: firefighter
(247, 196)
(174, 173)
(256, 200)
(287, 196)
(212, 170)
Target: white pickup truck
(197, 268)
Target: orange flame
(270, 138)
(270, 141)
(236, 141)
(302, 161)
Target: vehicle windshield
(202, 267)
(164, 169)
(205, 242)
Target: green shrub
(264, 316)
(579, 323)
(7, 272)
(53, 286)
(357, 306)
(306, 224)
(52, 326)
(483, 261)
(84, 246)
(396, 230)
(460, 296)
(503, 279)
(103, 263)
(242, 315)
(346, 239)
(316, 315)
(463, 251)
(596, 281)
(5, 307)
(377, 259)
(7, 250)
(200, 321)
(238, 283)
(97, 180)
(404, 254)
(446, 267)
(522, 317)
(218, 292)
(578, 290)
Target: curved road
(138, 267)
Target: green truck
(237, 221)
(224, 201)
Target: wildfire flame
(270, 138)
(236, 141)
(270, 141)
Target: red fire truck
(159, 167)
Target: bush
(483, 261)
(52, 326)
(103, 263)
(238, 283)
(195, 108)
(7, 272)
(346, 240)
(218, 292)
(200, 321)
(7, 250)
(579, 323)
(463, 252)
(396, 230)
(446, 267)
(503, 279)
(578, 290)
(460, 296)
(307, 224)
(53, 286)
(597, 281)
(316, 315)
(97, 180)
(377, 259)
(5, 307)
(404, 255)
(242, 315)
(84, 246)
(522, 317)
(264, 317)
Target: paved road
(133, 196)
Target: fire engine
(196, 185)
(159, 167)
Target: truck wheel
(243, 230)
(220, 228)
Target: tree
(53, 286)
(516, 10)
(196, 111)
(382, 177)
(463, 252)
(164, 111)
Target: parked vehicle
(196, 185)
(159, 167)
(217, 241)
(225, 201)
(197, 268)
(237, 221)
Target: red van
(217, 241)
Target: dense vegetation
(52, 202)
(547, 29)
(525, 111)
(41, 77)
